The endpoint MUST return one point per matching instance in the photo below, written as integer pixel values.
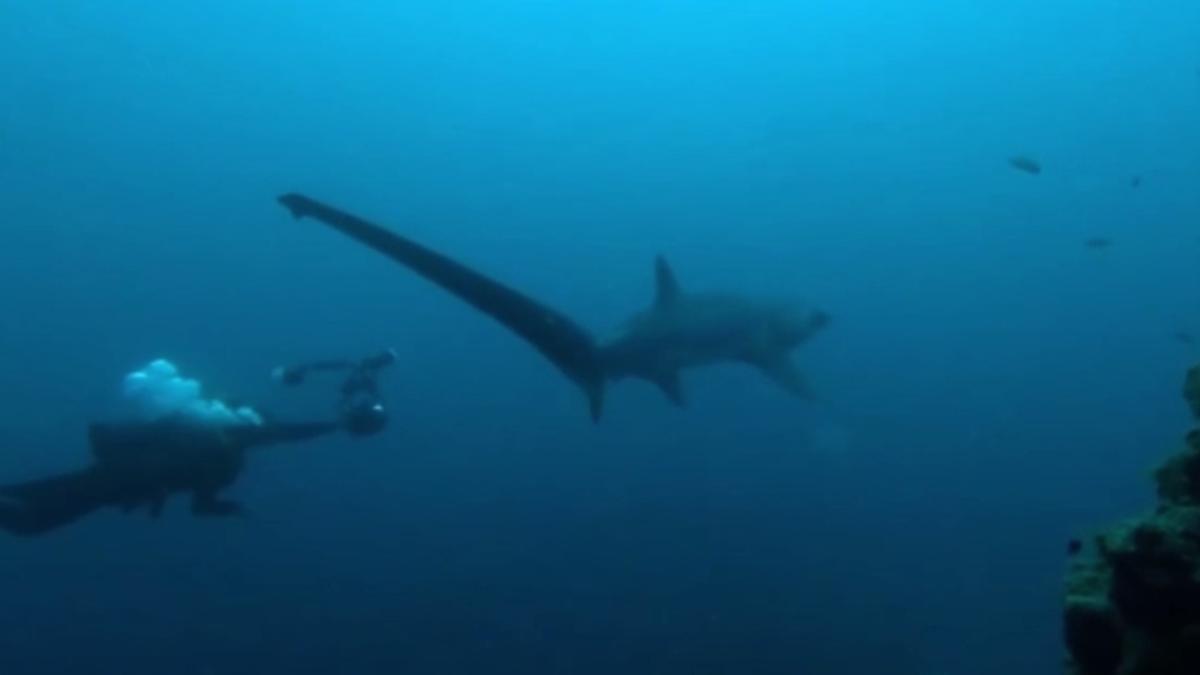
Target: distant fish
(1026, 164)
(1135, 182)
(1098, 243)
(1185, 338)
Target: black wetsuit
(139, 464)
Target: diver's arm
(328, 364)
(291, 376)
(274, 433)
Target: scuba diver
(191, 445)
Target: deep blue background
(993, 387)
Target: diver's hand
(364, 417)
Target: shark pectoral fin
(669, 383)
(783, 372)
(595, 394)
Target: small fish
(1026, 164)
(1074, 546)
(1135, 182)
(1185, 338)
(1098, 243)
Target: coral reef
(1133, 598)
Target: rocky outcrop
(1191, 390)
(1133, 596)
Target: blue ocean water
(989, 387)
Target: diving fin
(38, 506)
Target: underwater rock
(1093, 635)
(1191, 389)
(1178, 478)
(1154, 584)
(1132, 604)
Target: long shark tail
(568, 346)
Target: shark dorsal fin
(667, 288)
